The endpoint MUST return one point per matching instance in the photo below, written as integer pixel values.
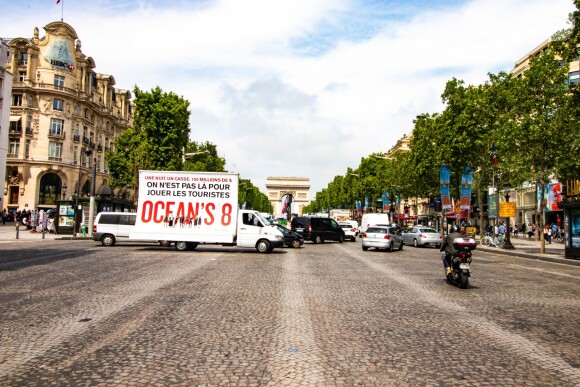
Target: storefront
(65, 212)
(571, 209)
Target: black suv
(318, 229)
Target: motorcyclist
(449, 249)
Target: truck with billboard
(193, 208)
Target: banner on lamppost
(366, 202)
(444, 179)
(386, 201)
(466, 183)
(491, 203)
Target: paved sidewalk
(8, 234)
(529, 248)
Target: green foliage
(155, 142)
(251, 197)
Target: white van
(110, 227)
(372, 220)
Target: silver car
(378, 237)
(422, 236)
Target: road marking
(296, 359)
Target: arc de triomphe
(298, 187)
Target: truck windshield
(264, 221)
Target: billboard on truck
(187, 206)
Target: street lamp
(362, 205)
(507, 244)
(77, 213)
(186, 155)
(88, 152)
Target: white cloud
(300, 88)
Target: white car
(349, 230)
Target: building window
(574, 78)
(17, 100)
(14, 147)
(54, 150)
(56, 127)
(27, 148)
(21, 76)
(15, 126)
(75, 155)
(57, 104)
(23, 59)
(29, 124)
(59, 82)
(99, 163)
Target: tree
(156, 141)
(540, 123)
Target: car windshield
(428, 230)
(282, 229)
(377, 230)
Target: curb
(536, 256)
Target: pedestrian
(45, 223)
(516, 230)
(530, 231)
(4, 216)
(550, 235)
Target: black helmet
(454, 228)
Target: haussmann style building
(63, 117)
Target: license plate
(464, 266)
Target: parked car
(422, 236)
(349, 230)
(317, 229)
(379, 237)
(291, 238)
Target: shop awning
(15, 118)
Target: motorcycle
(461, 261)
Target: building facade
(5, 98)
(298, 187)
(63, 118)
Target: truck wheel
(164, 243)
(181, 246)
(263, 246)
(108, 240)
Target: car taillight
(421, 236)
(94, 228)
(364, 234)
(352, 230)
(440, 236)
(309, 228)
(387, 236)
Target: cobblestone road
(75, 313)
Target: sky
(302, 88)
